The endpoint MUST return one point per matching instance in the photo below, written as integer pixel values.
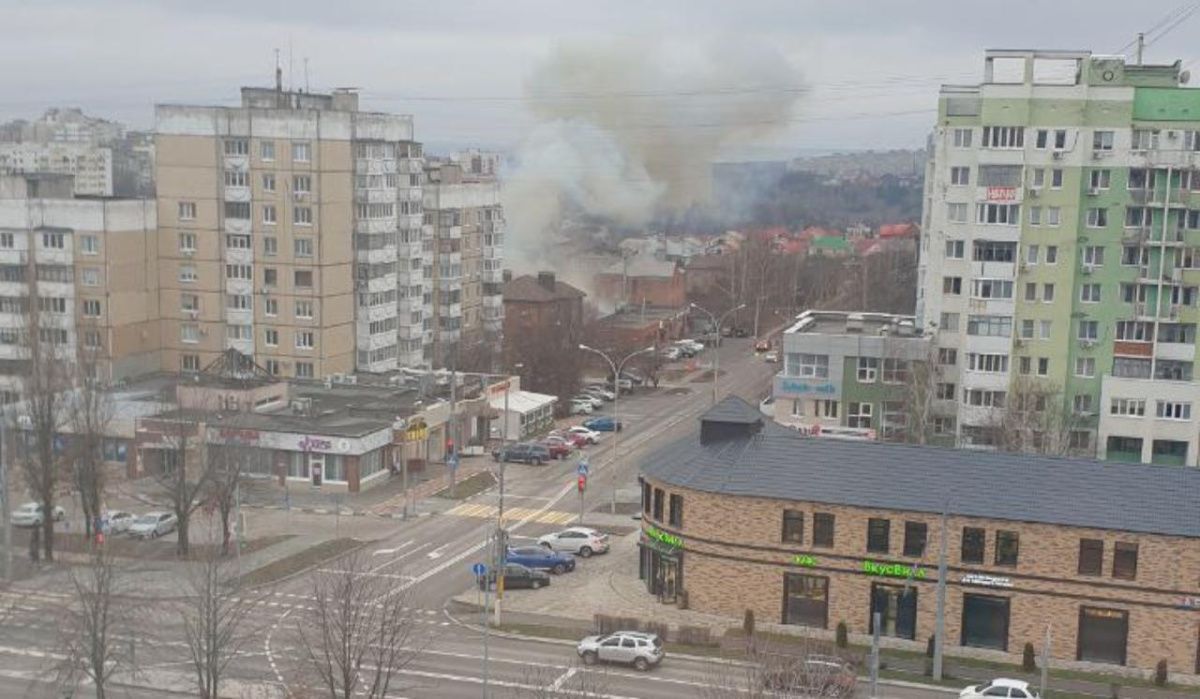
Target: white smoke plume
(628, 129)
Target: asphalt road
(429, 560)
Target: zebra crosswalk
(513, 514)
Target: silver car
(641, 650)
(580, 541)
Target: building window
(304, 339)
(187, 211)
(270, 276)
(805, 600)
(1089, 293)
(1089, 329)
(89, 245)
(960, 175)
(1102, 140)
(915, 534)
(999, 214)
(187, 273)
(187, 243)
(867, 368)
(304, 370)
(973, 542)
(1007, 547)
(90, 276)
(271, 337)
(237, 146)
(1085, 367)
(897, 609)
(303, 247)
(1100, 179)
(91, 308)
(189, 333)
(952, 285)
(1003, 137)
(268, 182)
(189, 362)
(658, 504)
(272, 367)
(304, 309)
(1091, 556)
(647, 496)
(858, 415)
(1103, 635)
(237, 210)
(301, 184)
(823, 523)
(793, 527)
(1125, 555)
(237, 178)
(301, 152)
(955, 249)
(895, 371)
(266, 150)
(812, 365)
(268, 212)
(271, 307)
(878, 532)
(270, 246)
(1097, 217)
(302, 215)
(947, 356)
(985, 621)
(956, 213)
(303, 278)
(675, 511)
(949, 322)
(1172, 410)
(962, 138)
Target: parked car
(592, 436)
(577, 439)
(695, 346)
(579, 407)
(594, 401)
(30, 515)
(119, 521)
(762, 345)
(636, 377)
(515, 576)
(1000, 687)
(811, 676)
(741, 332)
(605, 423)
(523, 452)
(642, 650)
(153, 525)
(625, 385)
(727, 331)
(580, 541)
(541, 558)
(771, 357)
(599, 390)
(558, 447)
(673, 353)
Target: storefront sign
(1001, 193)
(800, 387)
(985, 580)
(498, 387)
(663, 537)
(893, 570)
(315, 444)
(1189, 602)
(233, 435)
(804, 561)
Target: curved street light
(717, 323)
(616, 372)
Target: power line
(1171, 27)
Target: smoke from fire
(627, 130)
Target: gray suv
(523, 453)
(641, 650)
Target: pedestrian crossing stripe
(513, 514)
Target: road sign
(582, 483)
(452, 462)
(583, 467)
(479, 569)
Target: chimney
(546, 280)
(506, 275)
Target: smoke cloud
(628, 130)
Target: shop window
(1125, 556)
(1103, 634)
(973, 541)
(805, 600)
(646, 497)
(985, 621)
(823, 529)
(878, 534)
(793, 526)
(915, 534)
(1091, 556)
(658, 504)
(1008, 545)
(675, 511)
(897, 608)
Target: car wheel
(641, 664)
(586, 552)
(535, 585)
(559, 569)
(546, 544)
(589, 657)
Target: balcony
(426, 231)
(375, 225)
(409, 194)
(378, 195)
(491, 276)
(233, 193)
(384, 255)
(237, 162)
(243, 346)
(374, 342)
(239, 256)
(54, 256)
(382, 311)
(237, 226)
(239, 316)
(449, 335)
(1175, 351)
(383, 283)
(450, 310)
(13, 257)
(452, 232)
(493, 252)
(450, 284)
(410, 332)
(239, 287)
(374, 166)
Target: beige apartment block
(290, 231)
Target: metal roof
(780, 463)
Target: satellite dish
(1184, 77)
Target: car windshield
(147, 519)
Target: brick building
(749, 514)
(642, 280)
(543, 326)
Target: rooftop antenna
(278, 73)
(1141, 44)
(306, 74)
(291, 66)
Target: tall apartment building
(1062, 243)
(462, 205)
(91, 166)
(290, 229)
(91, 266)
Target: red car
(558, 447)
(578, 441)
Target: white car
(152, 525)
(119, 521)
(595, 401)
(673, 353)
(592, 436)
(771, 357)
(1000, 687)
(579, 407)
(598, 390)
(30, 515)
(580, 541)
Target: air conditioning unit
(191, 313)
(1057, 154)
(1088, 269)
(188, 252)
(1172, 133)
(1093, 191)
(1035, 192)
(1087, 344)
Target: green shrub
(1160, 674)
(748, 622)
(843, 637)
(1028, 659)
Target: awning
(522, 401)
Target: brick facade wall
(734, 560)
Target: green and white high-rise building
(1061, 248)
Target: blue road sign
(452, 462)
(479, 569)
(583, 467)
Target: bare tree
(358, 632)
(1034, 419)
(920, 395)
(92, 626)
(89, 411)
(226, 464)
(214, 621)
(183, 472)
(559, 682)
(803, 667)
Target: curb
(331, 511)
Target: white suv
(30, 515)
(641, 650)
(580, 541)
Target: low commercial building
(746, 514)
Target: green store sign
(663, 537)
(894, 570)
(804, 561)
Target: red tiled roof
(527, 288)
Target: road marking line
(558, 683)
(399, 558)
(385, 552)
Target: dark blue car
(603, 424)
(541, 558)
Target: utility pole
(1141, 45)
(1045, 661)
(939, 633)
(487, 596)
(877, 621)
(453, 431)
(4, 507)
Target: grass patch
(297, 562)
(464, 489)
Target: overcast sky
(459, 65)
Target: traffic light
(449, 446)
(582, 483)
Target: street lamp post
(616, 370)
(717, 323)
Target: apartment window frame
(868, 369)
(1125, 560)
(973, 546)
(1091, 557)
(879, 535)
(1008, 548)
(187, 211)
(792, 529)
(301, 151)
(305, 340)
(824, 528)
(266, 150)
(916, 538)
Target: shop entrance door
(897, 609)
(1103, 634)
(668, 580)
(316, 468)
